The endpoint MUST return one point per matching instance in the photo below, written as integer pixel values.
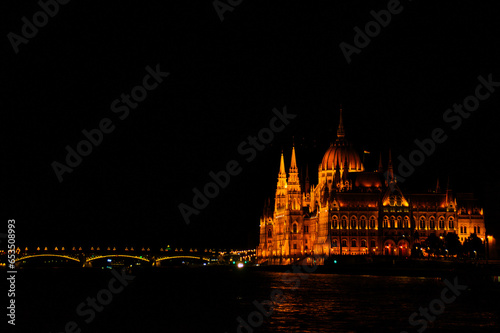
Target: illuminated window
(363, 243)
(441, 222)
(450, 222)
(306, 229)
(362, 222)
(344, 243)
(353, 222)
(372, 222)
(269, 233)
(385, 222)
(295, 246)
(294, 228)
(398, 223)
(465, 230)
(353, 243)
(344, 222)
(334, 222)
(405, 222)
(391, 222)
(432, 223)
(422, 223)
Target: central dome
(341, 153)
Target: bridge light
(240, 265)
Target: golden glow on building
(354, 211)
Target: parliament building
(352, 211)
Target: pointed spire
(380, 165)
(437, 186)
(340, 130)
(390, 171)
(293, 164)
(282, 173)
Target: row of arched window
(432, 223)
(354, 224)
(354, 243)
(477, 230)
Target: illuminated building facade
(352, 211)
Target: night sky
(225, 78)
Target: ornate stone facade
(352, 211)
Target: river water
(213, 300)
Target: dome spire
(340, 130)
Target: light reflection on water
(201, 300)
(343, 303)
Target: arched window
(363, 243)
(373, 243)
(344, 222)
(475, 229)
(398, 223)
(422, 222)
(372, 222)
(441, 222)
(432, 224)
(334, 243)
(362, 222)
(294, 228)
(406, 223)
(334, 222)
(344, 243)
(294, 246)
(450, 223)
(353, 243)
(391, 222)
(353, 222)
(269, 233)
(385, 222)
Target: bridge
(144, 256)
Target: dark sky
(225, 79)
